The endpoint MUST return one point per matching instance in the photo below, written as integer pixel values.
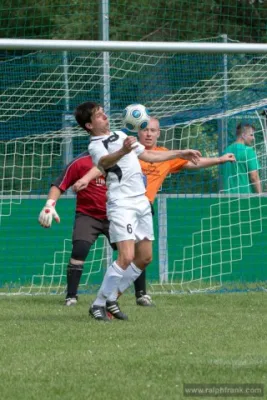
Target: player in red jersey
(90, 218)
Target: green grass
(51, 352)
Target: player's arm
(255, 181)
(206, 162)
(83, 182)
(49, 213)
(153, 156)
(253, 167)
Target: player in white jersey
(128, 209)
(125, 179)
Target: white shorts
(130, 218)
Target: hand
(129, 143)
(80, 185)
(48, 213)
(191, 155)
(227, 157)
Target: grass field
(49, 351)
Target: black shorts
(88, 228)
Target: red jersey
(92, 200)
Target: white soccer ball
(135, 117)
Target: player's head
(149, 136)
(245, 133)
(91, 117)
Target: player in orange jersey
(155, 176)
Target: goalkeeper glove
(48, 213)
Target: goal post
(129, 46)
(205, 239)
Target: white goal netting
(202, 234)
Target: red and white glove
(48, 213)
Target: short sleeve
(67, 178)
(96, 151)
(139, 149)
(177, 164)
(252, 161)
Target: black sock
(74, 273)
(140, 285)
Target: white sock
(109, 285)
(129, 276)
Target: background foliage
(153, 20)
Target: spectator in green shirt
(243, 175)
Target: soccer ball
(135, 117)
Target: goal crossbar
(99, 45)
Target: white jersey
(125, 179)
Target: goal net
(205, 238)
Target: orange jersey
(157, 172)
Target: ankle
(139, 294)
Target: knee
(80, 250)
(75, 264)
(143, 261)
(146, 260)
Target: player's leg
(121, 232)
(80, 250)
(142, 299)
(140, 287)
(129, 275)
(145, 228)
(143, 247)
(85, 232)
(106, 297)
(143, 257)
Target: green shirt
(236, 174)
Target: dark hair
(84, 112)
(242, 128)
